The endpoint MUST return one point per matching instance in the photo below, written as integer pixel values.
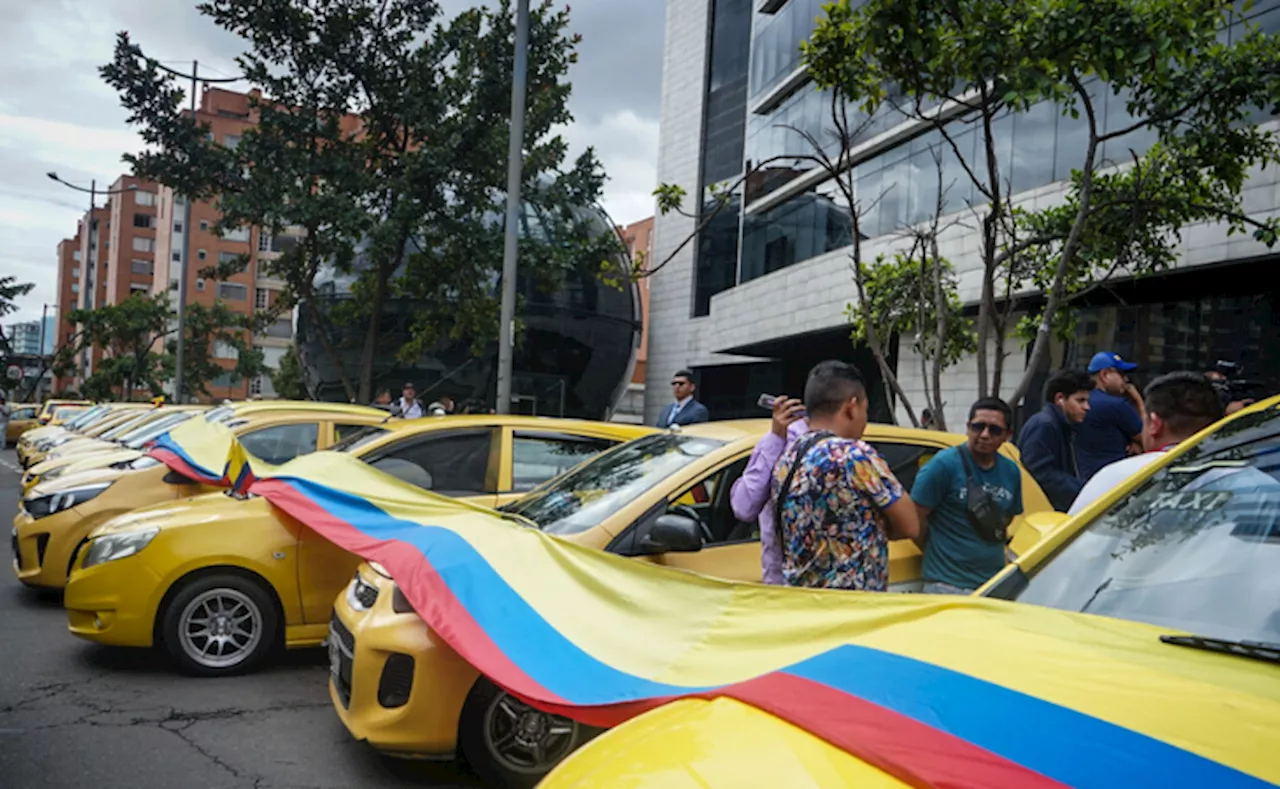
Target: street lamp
(93, 193)
(515, 162)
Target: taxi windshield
(1194, 548)
(126, 424)
(90, 415)
(139, 439)
(586, 496)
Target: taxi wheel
(510, 744)
(220, 624)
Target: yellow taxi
(82, 421)
(121, 441)
(40, 432)
(56, 515)
(22, 417)
(116, 420)
(401, 688)
(222, 581)
(1175, 569)
(55, 412)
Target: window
(228, 257)
(140, 266)
(222, 350)
(199, 283)
(264, 240)
(343, 432)
(537, 458)
(282, 443)
(177, 257)
(237, 234)
(255, 386)
(142, 220)
(75, 272)
(177, 227)
(232, 291)
(231, 141)
(75, 287)
(453, 464)
(201, 254)
(260, 301)
(282, 328)
(144, 198)
(204, 225)
(75, 255)
(584, 497)
(138, 287)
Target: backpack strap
(785, 489)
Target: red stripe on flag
(175, 461)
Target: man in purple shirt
(752, 491)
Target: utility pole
(181, 310)
(515, 163)
(86, 296)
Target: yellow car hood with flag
(936, 691)
(210, 453)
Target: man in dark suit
(685, 410)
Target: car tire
(219, 625)
(511, 745)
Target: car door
(457, 463)
(531, 457)
(730, 549)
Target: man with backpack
(966, 496)
(837, 502)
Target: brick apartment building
(139, 243)
(638, 236)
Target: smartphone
(766, 402)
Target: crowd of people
(828, 504)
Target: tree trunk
(940, 305)
(1040, 349)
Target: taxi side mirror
(672, 532)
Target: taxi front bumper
(393, 682)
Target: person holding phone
(751, 497)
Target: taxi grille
(341, 650)
(396, 682)
(364, 593)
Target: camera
(1230, 383)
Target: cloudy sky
(57, 114)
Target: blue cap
(1106, 359)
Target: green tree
(287, 379)
(382, 130)
(10, 290)
(978, 61)
(136, 340)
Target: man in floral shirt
(841, 505)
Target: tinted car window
(452, 464)
(280, 444)
(537, 458)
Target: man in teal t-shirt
(956, 559)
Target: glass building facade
(574, 357)
(1035, 148)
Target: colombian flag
(959, 693)
(209, 453)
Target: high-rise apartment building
(761, 295)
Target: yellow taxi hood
(96, 460)
(78, 479)
(194, 511)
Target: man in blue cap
(1114, 420)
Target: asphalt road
(74, 714)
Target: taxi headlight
(110, 547)
(44, 506)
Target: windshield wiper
(517, 518)
(1258, 650)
